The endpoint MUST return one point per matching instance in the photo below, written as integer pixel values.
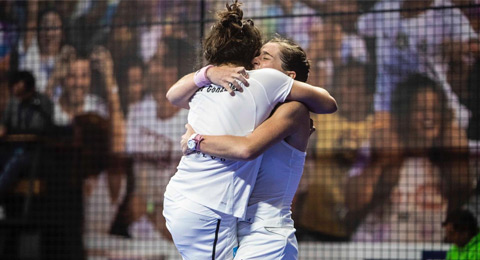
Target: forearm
(287, 119)
(117, 119)
(360, 189)
(230, 147)
(321, 102)
(181, 92)
(316, 99)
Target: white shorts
(259, 241)
(200, 236)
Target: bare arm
(285, 121)
(381, 174)
(317, 99)
(117, 120)
(181, 92)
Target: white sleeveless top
(276, 184)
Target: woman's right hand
(226, 76)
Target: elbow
(176, 100)
(328, 107)
(333, 107)
(170, 97)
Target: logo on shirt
(204, 155)
(213, 89)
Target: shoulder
(271, 79)
(292, 110)
(265, 72)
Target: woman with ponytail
(208, 194)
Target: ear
(291, 74)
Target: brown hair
(232, 39)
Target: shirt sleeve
(276, 84)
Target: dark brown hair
(232, 39)
(293, 57)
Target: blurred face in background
(79, 78)
(349, 18)
(19, 90)
(159, 78)
(426, 116)
(351, 93)
(50, 35)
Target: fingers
(242, 76)
(230, 88)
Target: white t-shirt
(92, 103)
(219, 184)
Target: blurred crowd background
(401, 152)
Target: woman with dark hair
(208, 194)
(418, 169)
(38, 50)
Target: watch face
(191, 144)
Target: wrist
(201, 78)
(193, 143)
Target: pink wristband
(200, 77)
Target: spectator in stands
(334, 40)
(123, 44)
(150, 31)
(341, 39)
(77, 97)
(417, 168)
(38, 50)
(337, 141)
(27, 112)
(299, 18)
(135, 90)
(59, 79)
(461, 229)
(92, 21)
(154, 127)
(8, 42)
(421, 37)
(106, 185)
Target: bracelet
(200, 77)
